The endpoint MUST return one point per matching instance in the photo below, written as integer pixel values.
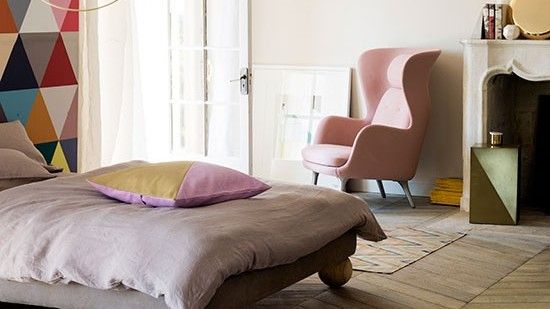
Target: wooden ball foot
(336, 276)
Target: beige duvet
(62, 230)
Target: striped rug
(403, 247)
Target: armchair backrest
(394, 84)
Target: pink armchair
(386, 144)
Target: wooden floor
(491, 267)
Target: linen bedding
(62, 230)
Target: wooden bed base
(331, 261)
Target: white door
(209, 81)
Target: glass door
(209, 81)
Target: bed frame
(331, 262)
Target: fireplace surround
(494, 72)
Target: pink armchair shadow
(386, 144)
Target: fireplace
(520, 109)
(506, 88)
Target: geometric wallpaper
(38, 75)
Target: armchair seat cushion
(328, 155)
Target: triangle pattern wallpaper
(38, 75)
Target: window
(206, 53)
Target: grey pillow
(14, 136)
(16, 165)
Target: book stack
(494, 20)
(447, 191)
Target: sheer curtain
(124, 78)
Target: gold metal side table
(494, 184)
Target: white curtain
(124, 78)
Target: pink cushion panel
(393, 110)
(328, 155)
(206, 184)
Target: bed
(65, 245)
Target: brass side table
(494, 184)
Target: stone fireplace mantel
(484, 59)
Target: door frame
(246, 60)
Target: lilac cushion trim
(133, 198)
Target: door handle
(243, 81)
(238, 79)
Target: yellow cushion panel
(161, 179)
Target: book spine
(499, 22)
(491, 21)
(485, 34)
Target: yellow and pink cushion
(177, 184)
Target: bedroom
(239, 106)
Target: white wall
(335, 32)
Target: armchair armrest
(338, 130)
(382, 152)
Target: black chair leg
(315, 178)
(381, 188)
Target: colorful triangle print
(70, 128)
(47, 150)
(59, 159)
(39, 48)
(59, 100)
(71, 44)
(19, 10)
(39, 126)
(7, 25)
(18, 72)
(71, 20)
(6, 45)
(70, 150)
(58, 13)
(39, 63)
(59, 71)
(17, 105)
(39, 18)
